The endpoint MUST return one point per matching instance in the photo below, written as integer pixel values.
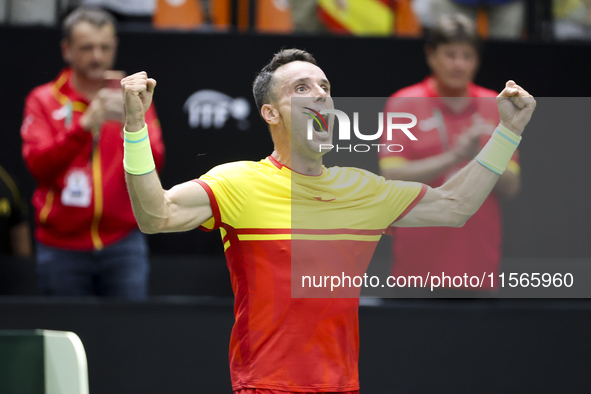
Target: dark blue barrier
(180, 345)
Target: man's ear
(65, 45)
(270, 114)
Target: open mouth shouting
(319, 123)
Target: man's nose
(461, 62)
(97, 53)
(320, 92)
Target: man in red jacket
(87, 237)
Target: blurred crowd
(502, 19)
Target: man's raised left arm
(453, 203)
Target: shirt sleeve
(227, 186)
(47, 153)
(398, 198)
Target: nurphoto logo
(318, 124)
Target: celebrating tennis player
(281, 344)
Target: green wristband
(498, 151)
(137, 152)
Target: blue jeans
(118, 270)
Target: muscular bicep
(433, 210)
(454, 202)
(188, 207)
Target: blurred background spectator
(88, 242)
(15, 234)
(305, 16)
(456, 118)
(29, 12)
(131, 11)
(359, 17)
(572, 19)
(505, 17)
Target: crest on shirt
(429, 124)
(64, 113)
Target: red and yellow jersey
(272, 218)
(476, 247)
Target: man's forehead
(87, 28)
(299, 70)
(461, 45)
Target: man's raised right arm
(182, 208)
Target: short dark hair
(93, 15)
(451, 29)
(262, 88)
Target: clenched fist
(516, 107)
(138, 90)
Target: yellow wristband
(498, 151)
(137, 152)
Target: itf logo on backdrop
(316, 117)
(210, 108)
